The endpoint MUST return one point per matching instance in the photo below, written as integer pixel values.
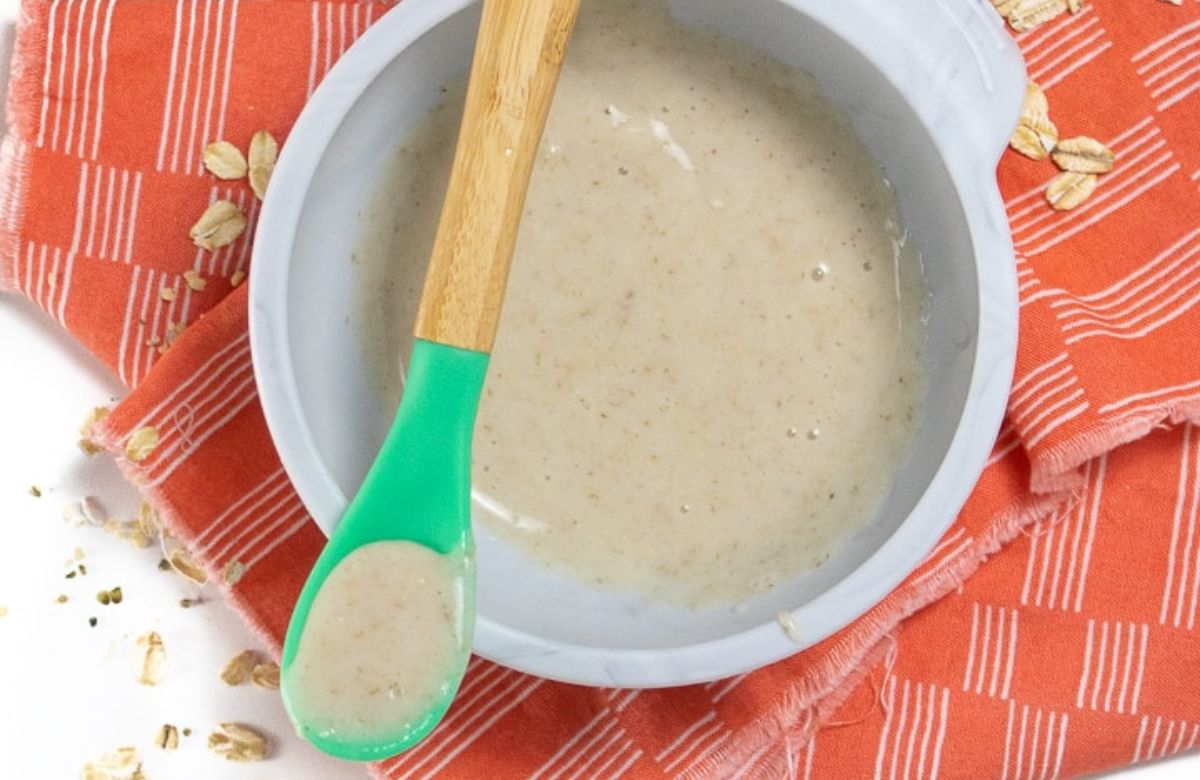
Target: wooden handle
(518, 56)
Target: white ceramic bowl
(933, 88)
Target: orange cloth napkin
(1073, 649)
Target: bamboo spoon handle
(518, 56)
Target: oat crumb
(167, 737)
(185, 565)
(194, 280)
(142, 442)
(235, 742)
(266, 675)
(152, 663)
(120, 764)
(86, 442)
(238, 669)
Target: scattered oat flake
(266, 675)
(141, 443)
(224, 160)
(1035, 99)
(152, 663)
(235, 742)
(184, 564)
(1028, 14)
(120, 764)
(3, 611)
(97, 414)
(86, 443)
(1035, 136)
(232, 573)
(62, 598)
(167, 737)
(195, 280)
(167, 293)
(1067, 190)
(220, 225)
(260, 178)
(263, 151)
(133, 533)
(239, 668)
(1083, 155)
(174, 331)
(237, 278)
(79, 553)
(93, 511)
(35, 491)
(89, 447)
(147, 521)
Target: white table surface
(67, 690)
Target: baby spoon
(418, 490)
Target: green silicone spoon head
(381, 633)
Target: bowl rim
(846, 601)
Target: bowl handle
(979, 103)
(953, 60)
(987, 97)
